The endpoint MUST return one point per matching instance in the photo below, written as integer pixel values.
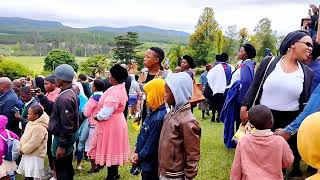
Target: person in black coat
(283, 84)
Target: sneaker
(52, 178)
(79, 168)
(48, 175)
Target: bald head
(17, 83)
(5, 84)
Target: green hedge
(13, 70)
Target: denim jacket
(148, 139)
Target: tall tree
(230, 40)
(243, 34)
(264, 37)
(202, 41)
(126, 47)
(95, 64)
(174, 55)
(219, 41)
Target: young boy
(146, 154)
(179, 145)
(262, 154)
(309, 144)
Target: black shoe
(113, 177)
(212, 119)
(295, 173)
(208, 113)
(95, 170)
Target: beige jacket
(34, 139)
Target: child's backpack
(12, 153)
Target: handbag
(243, 130)
(197, 95)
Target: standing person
(314, 65)
(146, 153)
(85, 84)
(7, 168)
(47, 101)
(204, 105)
(38, 82)
(29, 101)
(127, 86)
(179, 144)
(152, 62)
(245, 71)
(64, 123)
(219, 78)
(134, 95)
(90, 111)
(34, 144)
(261, 154)
(187, 65)
(110, 144)
(292, 81)
(314, 15)
(240, 82)
(8, 100)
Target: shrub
(57, 57)
(13, 70)
(199, 70)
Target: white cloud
(168, 14)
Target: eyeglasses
(310, 45)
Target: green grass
(34, 63)
(215, 161)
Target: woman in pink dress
(110, 145)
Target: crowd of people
(61, 116)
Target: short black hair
(25, 90)
(224, 57)
(260, 116)
(82, 77)
(98, 84)
(37, 109)
(136, 77)
(190, 61)
(119, 73)
(159, 53)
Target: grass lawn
(34, 63)
(215, 159)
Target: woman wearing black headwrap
(187, 64)
(283, 84)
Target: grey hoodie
(181, 86)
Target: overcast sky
(166, 14)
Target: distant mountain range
(17, 25)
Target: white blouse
(281, 90)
